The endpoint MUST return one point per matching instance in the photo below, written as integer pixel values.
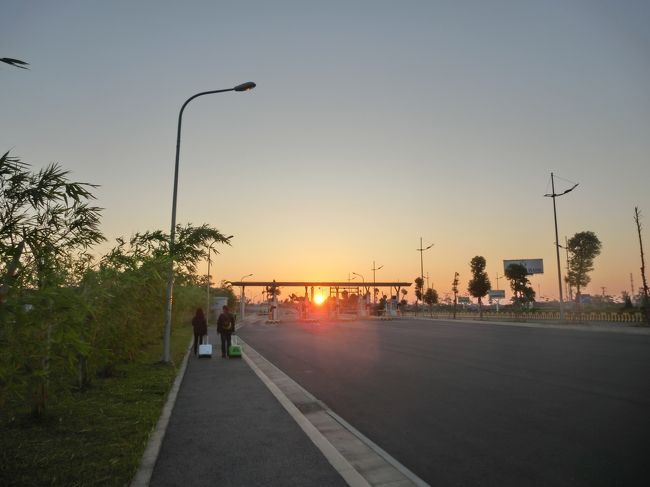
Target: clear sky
(373, 123)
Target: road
(480, 404)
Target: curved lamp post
(554, 195)
(374, 269)
(170, 281)
(363, 281)
(241, 301)
(422, 249)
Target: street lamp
(568, 286)
(421, 250)
(557, 241)
(374, 295)
(166, 358)
(207, 315)
(363, 281)
(241, 301)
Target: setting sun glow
(319, 299)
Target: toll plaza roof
(318, 283)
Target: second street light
(167, 332)
(243, 296)
(421, 250)
(207, 314)
(363, 281)
(374, 293)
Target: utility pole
(498, 277)
(631, 287)
(374, 268)
(557, 241)
(421, 250)
(566, 279)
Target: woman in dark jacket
(200, 328)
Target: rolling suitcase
(205, 349)
(235, 347)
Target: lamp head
(249, 85)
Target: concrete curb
(338, 461)
(351, 447)
(150, 455)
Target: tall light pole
(363, 281)
(557, 241)
(207, 314)
(241, 301)
(167, 333)
(498, 277)
(374, 268)
(421, 250)
(566, 281)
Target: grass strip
(94, 437)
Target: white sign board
(533, 266)
(497, 294)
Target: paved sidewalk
(228, 429)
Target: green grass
(94, 437)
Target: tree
(454, 289)
(419, 286)
(45, 219)
(46, 228)
(627, 301)
(523, 293)
(272, 291)
(583, 249)
(479, 285)
(645, 304)
(431, 297)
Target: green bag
(235, 348)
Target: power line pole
(421, 250)
(557, 241)
(374, 294)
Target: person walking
(200, 326)
(225, 327)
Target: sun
(318, 299)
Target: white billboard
(533, 266)
(497, 294)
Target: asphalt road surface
(480, 404)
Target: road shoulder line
(375, 466)
(340, 464)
